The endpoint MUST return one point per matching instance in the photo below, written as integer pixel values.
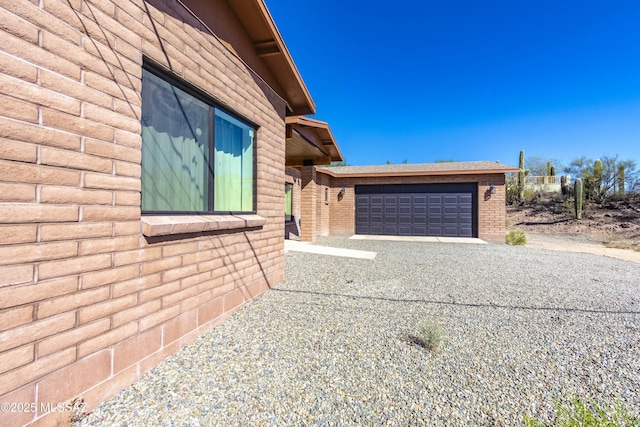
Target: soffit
(319, 145)
(298, 149)
(272, 51)
(421, 169)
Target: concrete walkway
(564, 243)
(431, 239)
(298, 246)
(294, 245)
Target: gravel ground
(334, 344)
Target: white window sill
(164, 225)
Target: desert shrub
(512, 193)
(516, 237)
(561, 208)
(588, 414)
(531, 196)
(430, 335)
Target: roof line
(414, 173)
(231, 51)
(287, 55)
(281, 46)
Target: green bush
(516, 237)
(431, 335)
(512, 193)
(588, 414)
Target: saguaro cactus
(521, 175)
(620, 179)
(597, 169)
(577, 194)
(553, 170)
(564, 185)
(597, 179)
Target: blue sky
(427, 80)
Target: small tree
(537, 165)
(579, 167)
(342, 163)
(605, 176)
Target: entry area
(442, 210)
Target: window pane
(288, 192)
(233, 180)
(175, 148)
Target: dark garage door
(417, 210)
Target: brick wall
(87, 303)
(491, 207)
(308, 203)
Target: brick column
(308, 204)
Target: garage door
(417, 210)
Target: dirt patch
(611, 228)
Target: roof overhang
(271, 49)
(437, 169)
(310, 141)
(392, 174)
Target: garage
(446, 210)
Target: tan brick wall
(308, 204)
(87, 303)
(491, 207)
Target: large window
(196, 158)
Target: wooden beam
(266, 48)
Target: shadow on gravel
(543, 222)
(460, 304)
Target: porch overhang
(310, 141)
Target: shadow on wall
(197, 19)
(292, 229)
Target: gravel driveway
(332, 344)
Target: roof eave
(329, 143)
(415, 173)
(296, 95)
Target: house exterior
(144, 146)
(142, 153)
(309, 142)
(457, 199)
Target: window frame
(171, 78)
(288, 185)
